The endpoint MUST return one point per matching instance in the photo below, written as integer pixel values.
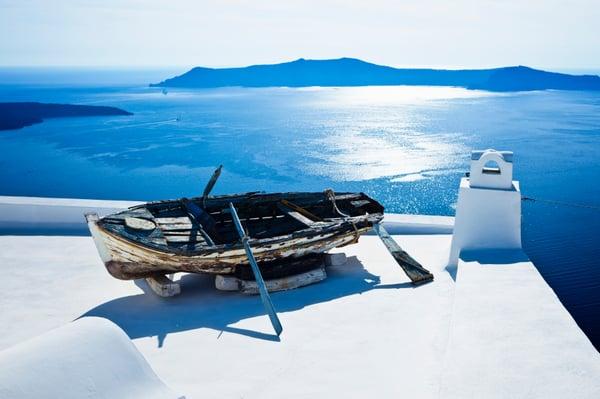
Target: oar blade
(211, 182)
(413, 269)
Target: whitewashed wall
(34, 215)
(31, 215)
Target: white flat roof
(491, 328)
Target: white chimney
(488, 213)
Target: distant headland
(20, 114)
(354, 72)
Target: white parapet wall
(65, 216)
(31, 215)
(396, 223)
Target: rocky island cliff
(354, 72)
(16, 115)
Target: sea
(406, 146)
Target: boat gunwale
(255, 195)
(320, 228)
(336, 225)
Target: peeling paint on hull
(198, 235)
(127, 260)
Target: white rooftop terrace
(490, 327)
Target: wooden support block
(163, 286)
(225, 282)
(249, 287)
(336, 259)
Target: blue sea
(406, 146)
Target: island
(355, 72)
(16, 115)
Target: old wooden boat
(197, 235)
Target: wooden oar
(211, 184)
(264, 294)
(413, 269)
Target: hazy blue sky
(457, 33)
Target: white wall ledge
(64, 216)
(56, 216)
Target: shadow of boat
(200, 305)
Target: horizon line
(158, 67)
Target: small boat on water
(198, 235)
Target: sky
(548, 34)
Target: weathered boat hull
(198, 235)
(127, 260)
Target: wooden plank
(297, 213)
(178, 226)
(232, 283)
(300, 210)
(173, 220)
(301, 218)
(139, 223)
(185, 238)
(285, 283)
(172, 233)
(413, 269)
(163, 286)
